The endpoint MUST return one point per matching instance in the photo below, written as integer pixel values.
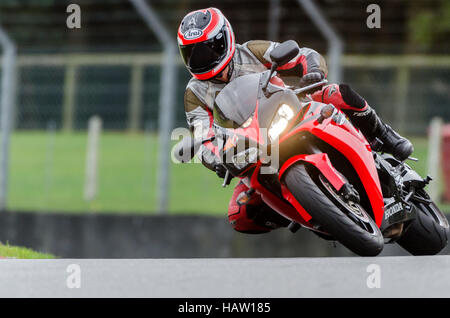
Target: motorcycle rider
(210, 53)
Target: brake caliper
(349, 193)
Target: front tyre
(357, 231)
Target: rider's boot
(366, 119)
(372, 127)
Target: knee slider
(243, 222)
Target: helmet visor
(202, 57)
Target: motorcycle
(311, 165)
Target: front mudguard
(322, 162)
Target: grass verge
(48, 171)
(7, 251)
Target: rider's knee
(352, 98)
(341, 96)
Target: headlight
(244, 158)
(280, 122)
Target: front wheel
(347, 222)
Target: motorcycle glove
(311, 78)
(220, 170)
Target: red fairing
(355, 148)
(252, 131)
(362, 160)
(292, 200)
(322, 162)
(294, 212)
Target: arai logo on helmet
(193, 34)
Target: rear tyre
(428, 233)
(357, 231)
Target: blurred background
(111, 69)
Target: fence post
(401, 98)
(335, 43)
(135, 104)
(166, 98)
(8, 91)
(70, 81)
(93, 144)
(434, 157)
(274, 20)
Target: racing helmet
(206, 42)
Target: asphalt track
(229, 278)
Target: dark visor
(202, 57)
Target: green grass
(421, 152)
(7, 251)
(47, 174)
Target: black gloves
(311, 78)
(220, 170)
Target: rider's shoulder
(195, 83)
(197, 88)
(254, 45)
(259, 48)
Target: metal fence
(406, 90)
(123, 90)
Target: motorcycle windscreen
(237, 101)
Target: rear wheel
(347, 221)
(428, 233)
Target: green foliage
(422, 28)
(427, 25)
(7, 251)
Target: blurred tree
(429, 24)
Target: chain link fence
(123, 90)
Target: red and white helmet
(206, 42)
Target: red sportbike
(311, 165)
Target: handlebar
(307, 88)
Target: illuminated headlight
(244, 158)
(280, 122)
